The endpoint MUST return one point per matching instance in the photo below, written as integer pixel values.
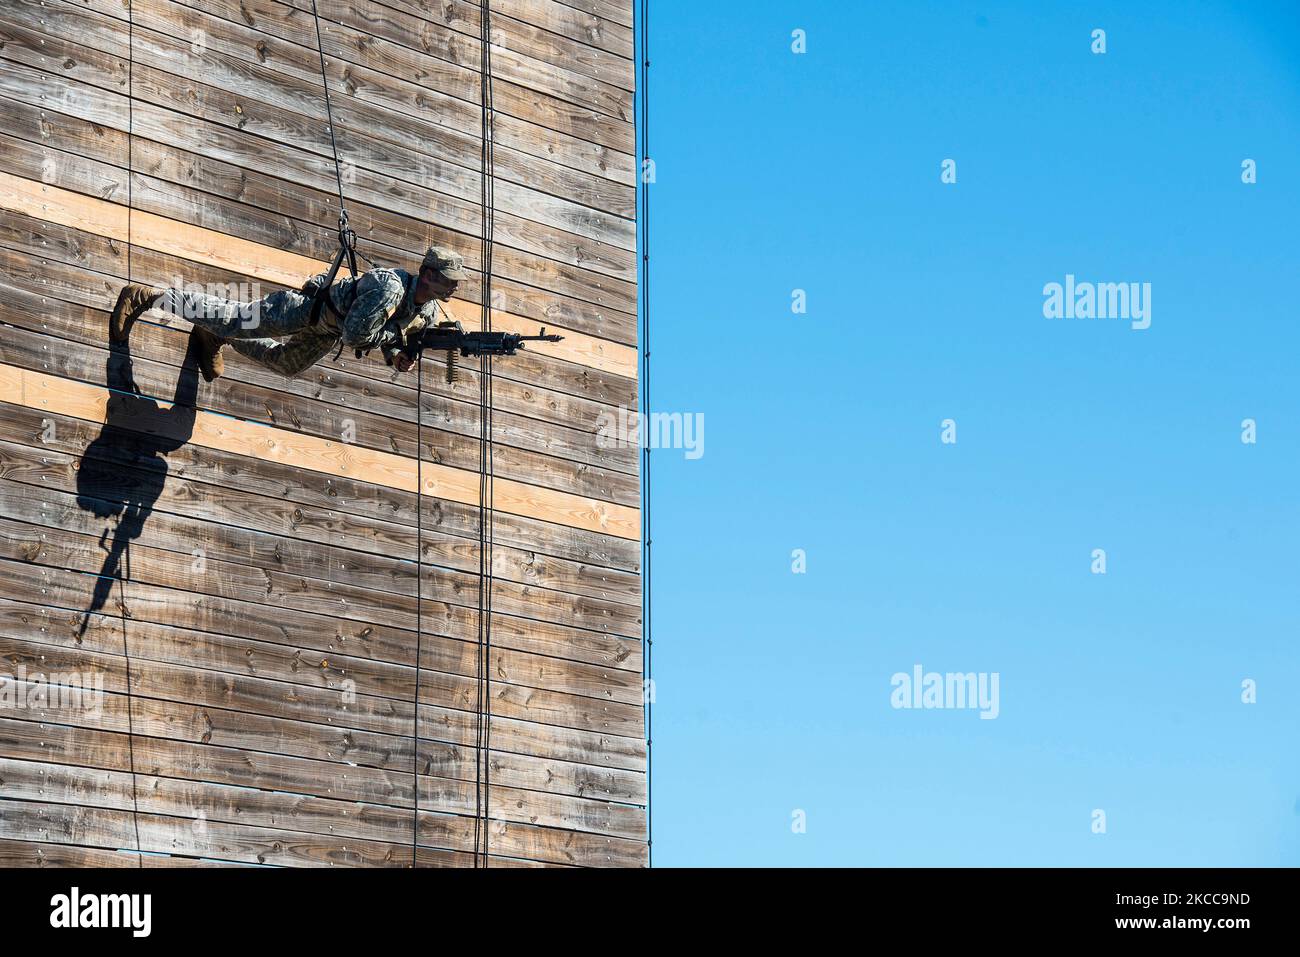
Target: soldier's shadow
(123, 471)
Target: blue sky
(1119, 692)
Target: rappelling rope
(483, 725)
(348, 239)
(486, 529)
(329, 118)
(419, 600)
(121, 588)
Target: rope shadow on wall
(123, 471)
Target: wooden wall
(242, 578)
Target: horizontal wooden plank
(412, 87)
(23, 853)
(540, 378)
(568, 21)
(182, 496)
(532, 80)
(328, 797)
(293, 659)
(253, 204)
(48, 822)
(619, 11)
(384, 211)
(441, 440)
(609, 651)
(210, 783)
(425, 27)
(49, 393)
(268, 521)
(441, 61)
(51, 287)
(49, 528)
(66, 531)
(201, 722)
(445, 785)
(522, 55)
(205, 724)
(103, 218)
(321, 685)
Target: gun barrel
(451, 337)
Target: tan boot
(132, 302)
(207, 348)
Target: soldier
(377, 309)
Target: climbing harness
(347, 250)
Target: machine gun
(450, 337)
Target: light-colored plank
(103, 218)
(79, 400)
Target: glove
(313, 285)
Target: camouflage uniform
(375, 310)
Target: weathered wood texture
(210, 599)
